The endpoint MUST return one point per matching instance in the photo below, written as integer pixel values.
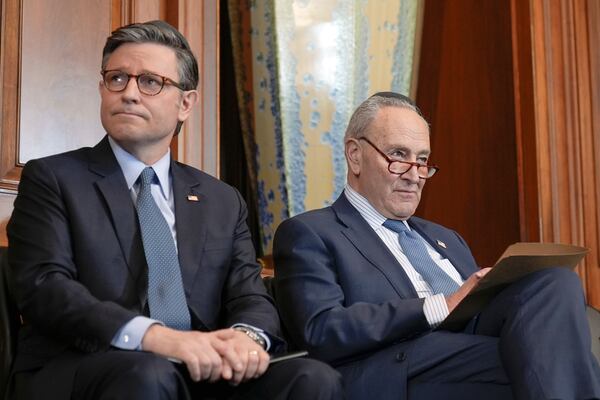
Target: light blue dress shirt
(130, 336)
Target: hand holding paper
(518, 260)
(454, 300)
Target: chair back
(594, 320)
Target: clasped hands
(224, 354)
(231, 355)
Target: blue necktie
(166, 298)
(416, 252)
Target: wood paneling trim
(10, 77)
(10, 171)
(587, 21)
(588, 172)
(130, 11)
(148, 10)
(593, 24)
(210, 85)
(567, 157)
(199, 139)
(123, 10)
(525, 127)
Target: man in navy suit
(135, 275)
(363, 284)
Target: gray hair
(158, 32)
(366, 111)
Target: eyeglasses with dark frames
(147, 83)
(399, 167)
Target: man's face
(403, 135)
(136, 120)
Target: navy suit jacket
(78, 265)
(341, 292)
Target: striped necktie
(416, 252)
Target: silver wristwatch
(252, 334)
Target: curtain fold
(302, 66)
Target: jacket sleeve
(45, 276)
(245, 297)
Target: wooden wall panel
(512, 90)
(39, 40)
(525, 128)
(593, 266)
(199, 139)
(148, 10)
(465, 90)
(58, 80)
(9, 93)
(563, 63)
(43, 112)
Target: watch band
(252, 334)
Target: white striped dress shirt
(434, 307)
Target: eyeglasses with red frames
(399, 167)
(149, 84)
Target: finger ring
(253, 353)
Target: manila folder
(518, 260)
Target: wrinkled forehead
(143, 58)
(393, 124)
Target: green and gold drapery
(302, 66)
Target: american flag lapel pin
(192, 197)
(441, 244)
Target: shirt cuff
(435, 309)
(259, 332)
(130, 336)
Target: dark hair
(158, 32)
(366, 111)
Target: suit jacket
(78, 265)
(341, 292)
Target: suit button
(400, 357)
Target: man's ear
(353, 156)
(188, 100)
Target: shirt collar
(366, 210)
(132, 167)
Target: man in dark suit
(363, 284)
(135, 275)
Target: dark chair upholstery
(9, 325)
(267, 266)
(594, 319)
(269, 285)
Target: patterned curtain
(302, 66)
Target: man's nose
(412, 174)
(131, 91)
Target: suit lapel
(190, 220)
(112, 186)
(366, 241)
